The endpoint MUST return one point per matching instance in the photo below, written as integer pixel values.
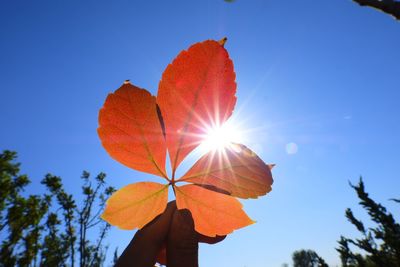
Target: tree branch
(390, 7)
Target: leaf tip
(103, 217)
(271, 166)
(223, 41)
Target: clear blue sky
(324, 75)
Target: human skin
(170, 239)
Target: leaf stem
(173, 188)
(173, 176)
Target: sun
(219, 138)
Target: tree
(50, 230)
(381, 243)
(307, 258)
(390, 7)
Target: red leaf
(237, 170)
(131, 132)
(213, 213)
(196, 91)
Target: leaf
(130, 130)
(196, 94)
(236, 169)
(196, 91)
(213, 213)
(135, 205)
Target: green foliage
(52, 229)
(307, 258)
(380, 244)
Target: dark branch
(390, 7)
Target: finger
(182, 244)
(145, 245)
(211, 240)
(156, 231)
(162, 254)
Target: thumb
(182, 244)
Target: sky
(318, 91)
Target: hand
(169, 239)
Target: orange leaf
(213, 213)
(130, 130)
(236, 169)
(135, 205)
(196, 91)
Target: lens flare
(219, 138)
